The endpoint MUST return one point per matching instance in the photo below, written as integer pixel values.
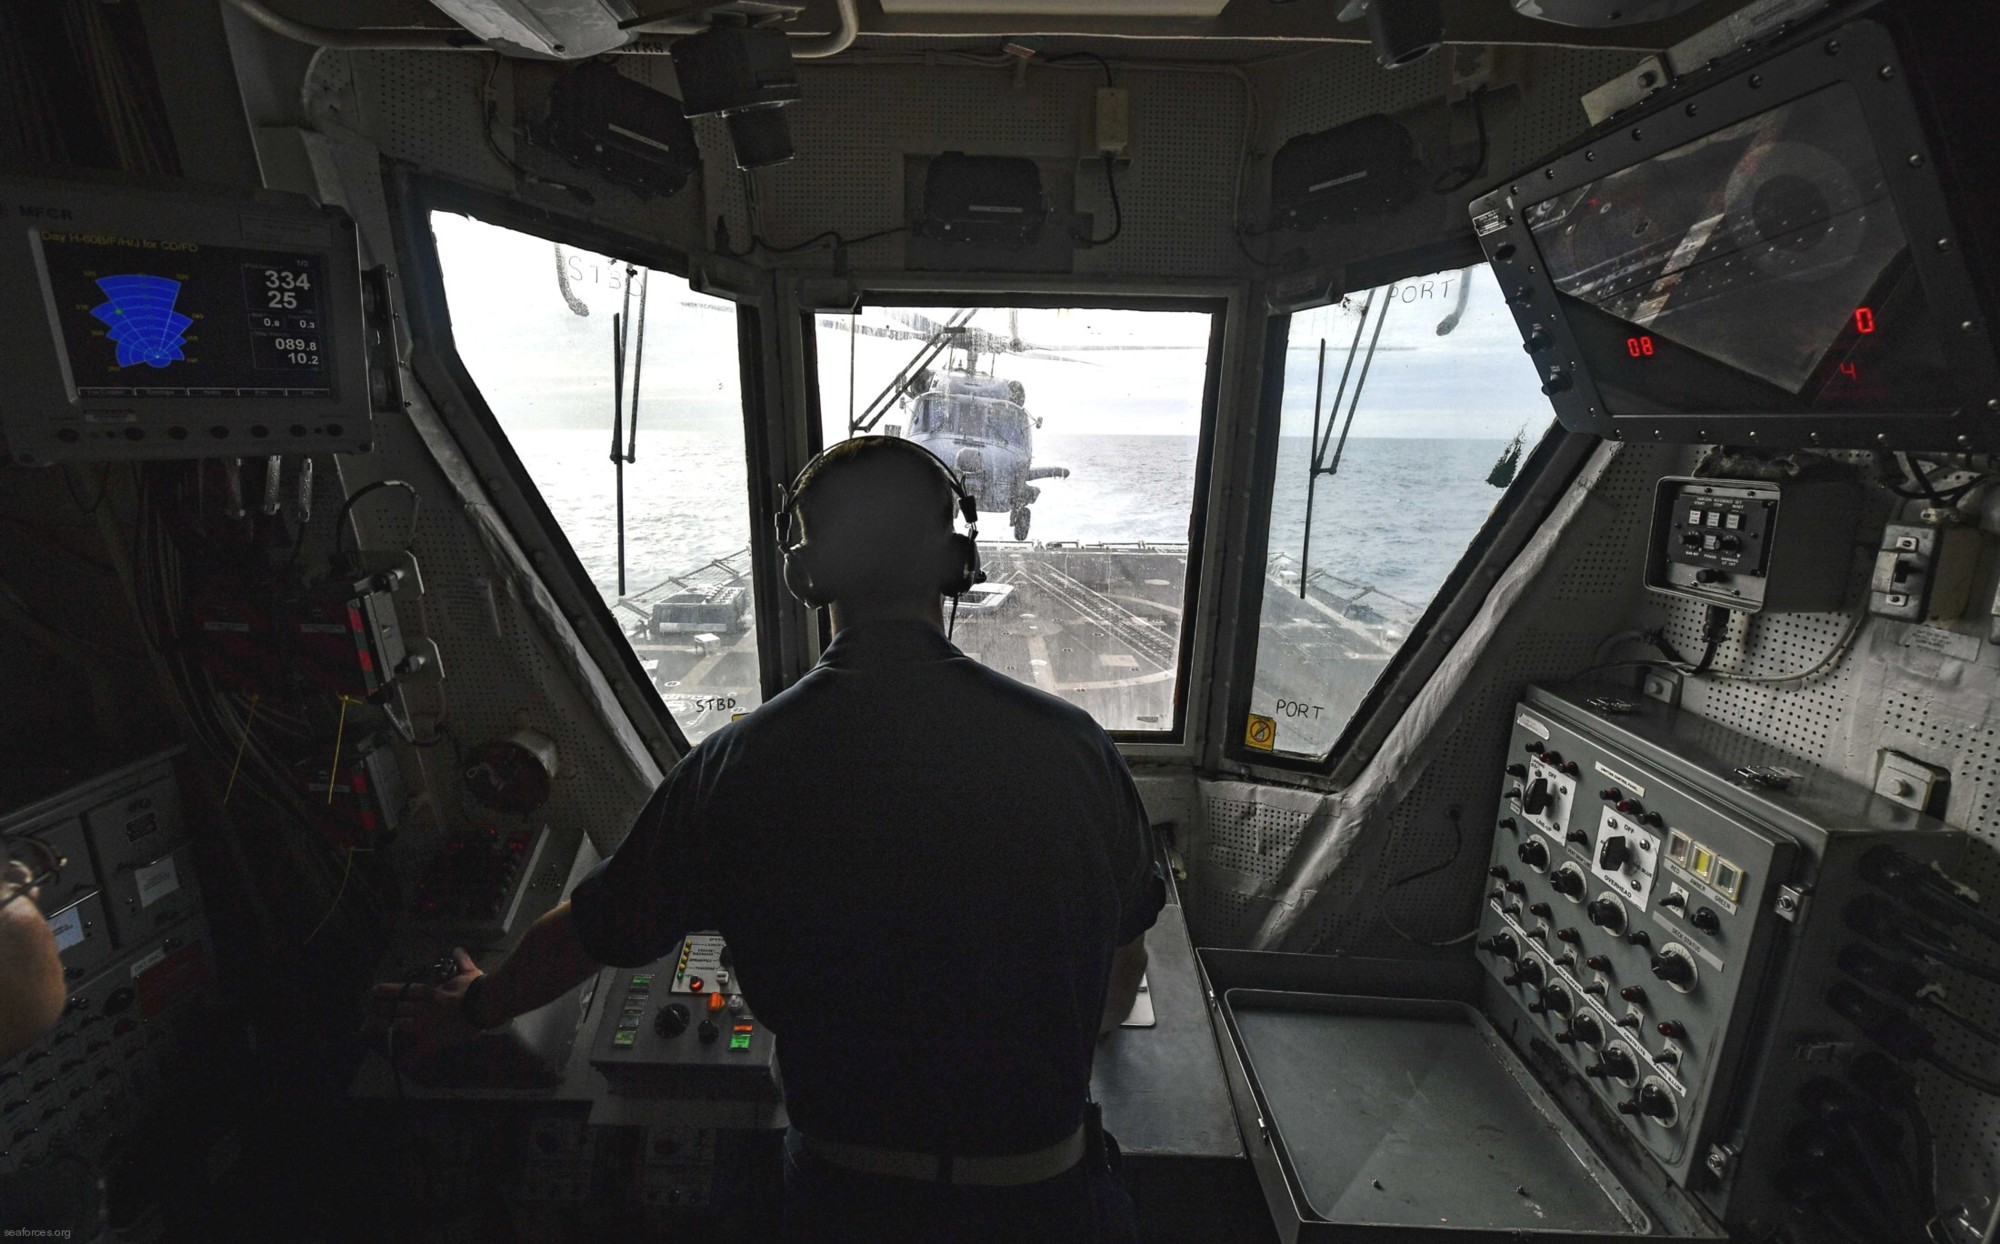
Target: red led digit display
(1864, 320)
(1639, 347)
(1848, 370)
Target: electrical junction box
(1924, 573)
(1755, 546)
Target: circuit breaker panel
(1659, 913)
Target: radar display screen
(141, 318)
(1761, 267)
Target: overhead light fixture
(745, 76)
(1404, 31)
(1603, 13)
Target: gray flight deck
(1099, 625)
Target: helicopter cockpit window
(1407, 410)
(1078, 431)
(585, 359)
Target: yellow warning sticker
(1260, 733)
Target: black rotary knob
(1655, 1102)
(672, 1020)
(1528, 972)
(1501, 945)
(1613, 852)
(707, 1032)
(1519, 771)
(1613, 1064)
(1674, 967)
(1556, 998)
(1536, 799)
(1534, 853)
(1586, 1029)
(1705, 919)
(1567, 882)
(1606, 913)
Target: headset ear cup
(964, 566)
(799, 579)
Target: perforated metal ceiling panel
(858, 124)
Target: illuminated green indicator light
(642, 982)
(740, 1041)
(623, 1039)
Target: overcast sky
(539, 363)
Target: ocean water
(1396, 517)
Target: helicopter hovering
(976, 423)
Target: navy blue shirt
(922, 868)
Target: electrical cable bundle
(256, 738)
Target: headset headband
(967, 507)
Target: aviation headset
(964, 569)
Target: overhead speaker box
(983, 200)
(1367, 167)
(627, 133)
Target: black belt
(1007, 1170)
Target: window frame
(1201, 598)
(1545, 473)
(415, 198)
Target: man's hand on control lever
(425, 1017)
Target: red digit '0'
(1864, 320)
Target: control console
(1602, 932)
(135, 954)
(680, 1027)
(1664, 918)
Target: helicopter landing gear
(1020, 518)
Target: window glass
(1406, 412)
(540, 326)
(1077, 430)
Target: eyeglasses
(43, 871)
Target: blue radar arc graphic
(139, 314)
